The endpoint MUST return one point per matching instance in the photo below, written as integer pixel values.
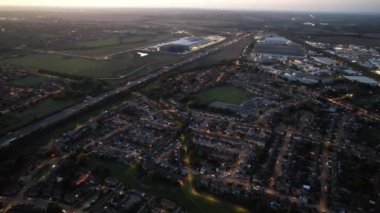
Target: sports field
(227, 94)
(115, 67)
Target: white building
(363, 80)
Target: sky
(359, 6)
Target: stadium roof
(363, 79)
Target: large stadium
(187, 44)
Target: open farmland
(99, 43)
(113, 68)
(101, 52)
(118, 45)
(137, 38)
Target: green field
(130, 177)
(102, 51)
(41, 171)
(120, 65)
(232, 52)
(137, 38)
(227, 94)
(99, 43)
(14, 120)
(29, 81)
(126, 43)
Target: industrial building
(363, 80)
(276, 47)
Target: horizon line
(191, 8)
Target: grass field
(29, 81)
(99, 43)
(182, 195)
(103, 50)
(41, 171)
(112, 46)
(227, 94)
(232, 52)
(14, 120)
(137, 38)
(120, 65)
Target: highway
(40, 125)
